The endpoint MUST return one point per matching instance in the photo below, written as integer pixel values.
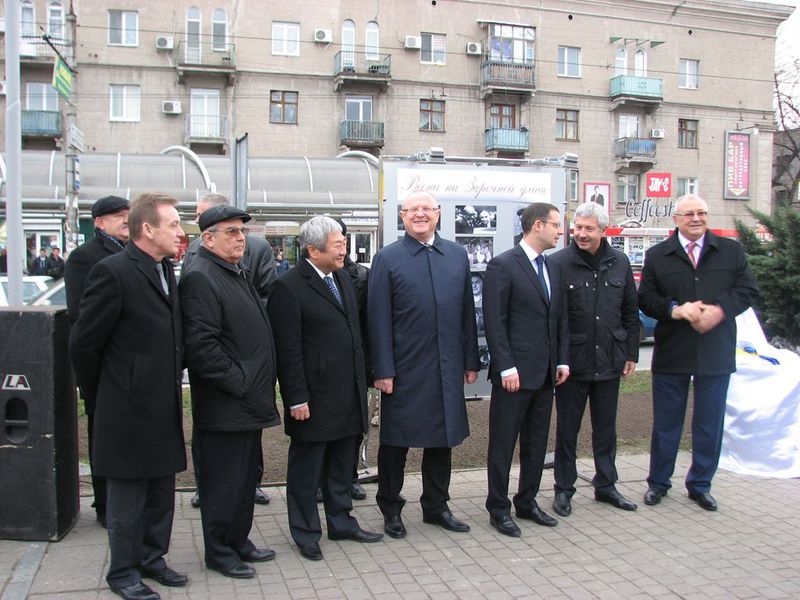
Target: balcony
(507, 77)
(206, 58)
(206, 129)
(634, 154)
(632, 91)
(34, 50)
(362, 67)
(40, 123)
(362, 134)
(506, 140)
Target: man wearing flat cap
(231, 359)
(110, 216)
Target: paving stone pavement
(750, 548)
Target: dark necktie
(540, 273)
(332, 287)
(162, 278)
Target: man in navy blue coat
(424, 347)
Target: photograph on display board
(479, 251)
(479, 320)
(477, 288)
(471, 218)
(483, 355)
(599, 193)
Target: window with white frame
(433, 49)
(627, 188)
(569, 61)
(640, 63)
(511, 43)
(55, 19)
(123, 28)
(285, 38)
(348, 45)
(358, 108)
(27, 19)
(372, 41)
(193, 49)
(572, 188)
(219, 30)
(687, 185)
(124, 102)
(41, 96)
(689, 74)
(628, 126)
(621, 61)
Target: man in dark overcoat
(424, 347)
(110, 215)
(55, 264)
(321, 370)
(127, 351)
(525, 315)
(694, 283)
(603, 346)
(231, 359)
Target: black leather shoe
(311, 551)
(195, 501)
(240, 571)
(653, 496)
(166, 576)
(505, 525)
(258, 555)
(394, 528)
(446, 520)
(359, 535)
(537, 515)
(562, 505)
(357, 492)
(260, 497)
(137, 591)
(614, 498)
(704, 499)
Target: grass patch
(638, 382)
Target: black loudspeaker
(38, 426)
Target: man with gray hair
(604, 345)
(322, 374)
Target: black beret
(108, 205)
(215, 214)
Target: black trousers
(98, 483)
(139, 514)
(571, 399)
(436, 469)
(325, 465)
(196, 467)
(524, 414)
(229, 470)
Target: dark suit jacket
(722, 277)
(522, 330)
(127, 352)
(320, 354)
(79, 263)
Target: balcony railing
(368, 64)
(508, 75)
(40, 123)
(507, 140)
(35, 48)
(209, 55)
(361, 133)
(641, 87)
(206, 127)
(635, 148)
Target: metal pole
(16, 248)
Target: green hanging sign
(62, 78)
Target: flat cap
(215, 214)
(108, 205)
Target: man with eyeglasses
(424, 347)
(259, 261)
(695, 284)
(525, 314)
(231, 358)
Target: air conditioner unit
(2, 25)
(171, 107)
(657, 134)
(323, 36)
(27, 49)
(2, 88)
(473, 49)
(165, 42)
(413, 42)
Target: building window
(628, 126)
(124, 102)
(566, 124)
(285, 38)
(27, 19)
(569, 61)
(433, 49)
(502, 116)
(123, 28)
(373, 41)
(687, 133)
(431, 115)
(348, 45)
(572, 187)
(219, 30)
(194, 27)
(689, 74)
(621, 62)
(509, 43)
(283, 107)
(358, 108)
(627, 188)
(41, 96)
(55, 20)
(687, 185)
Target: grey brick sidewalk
(749, 549)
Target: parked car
(647, 326)
(32, 286)
(55, 295)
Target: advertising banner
(737, 166)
